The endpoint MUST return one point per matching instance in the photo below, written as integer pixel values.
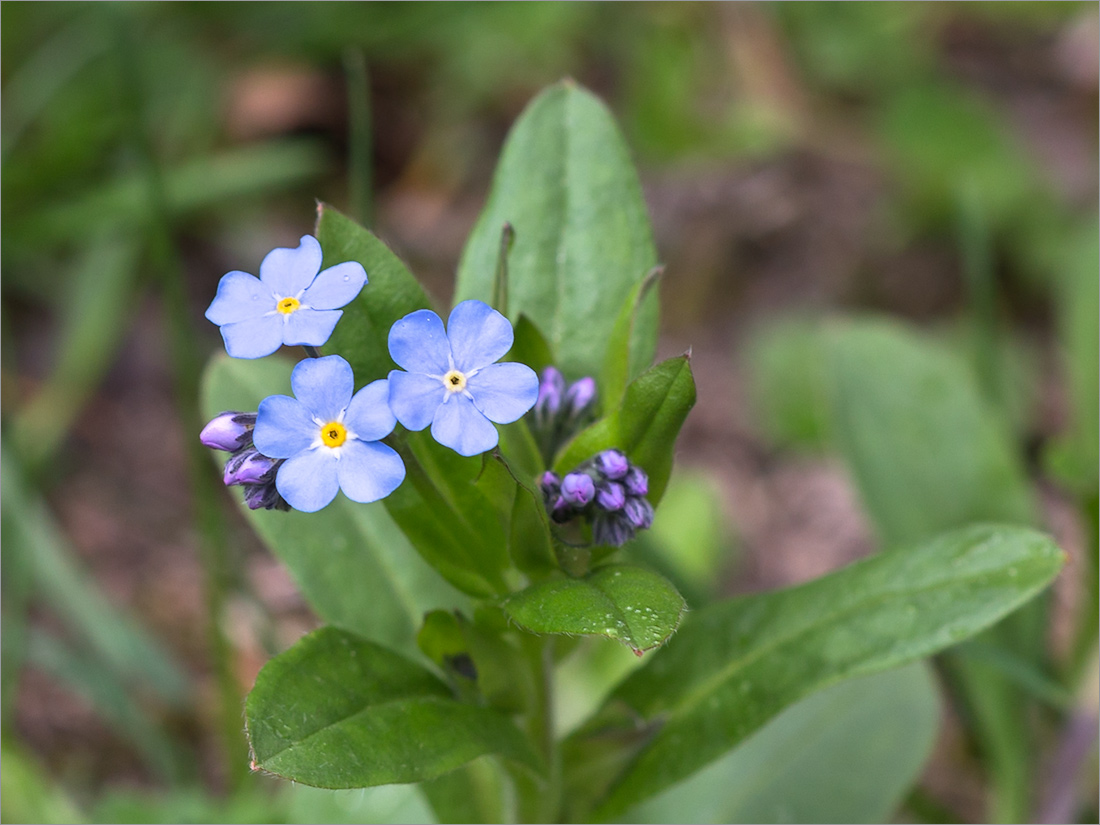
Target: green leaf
(531, 543)
(566, 183)
(351, 561)
(96, 683)
(94, 323)
(450, 521)
(644, 426)
(391, 293)
(35, 539)
(736, 664)
(28, 793)
(788, 390)
(925, 450)
(1079, 338)
(928, 454)
(529, 346)
(631, 605)
(616, 365)
(193, 185)
(848, 753)
(337, 711)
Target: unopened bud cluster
(561, 410)
(246, 467)
(608, 491)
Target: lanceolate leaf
(926, 451)
(391, 293)
(631, 605)
(616, 366)
(337, 711)
(644, 426)
(448, 519)
(565, 182)
(848, 753)
(736, 664)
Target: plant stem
(541, 801)
(1084, 643)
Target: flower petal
(414, 398)
(368, 470)
(289, 271)
(308, 481)
(324, 385)
(335, 286)
(253, 337)
(309, 326)
(240, 296)
(369, 415)
(284, 427)
(504, 392)
(479, 335)
(419, 344)
(458, 424)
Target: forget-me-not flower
(328, 437)
(452, 381)
(292, 302)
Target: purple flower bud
(612, 464)
(228, 431)
(612, 529)
(551, 389)
(639, 512)
(550, 487)
(636, 481)
(562, 511)
(577, 489)
(610, 496)
(580, 395)
(256, 496)
(247, 467)
(264, 496)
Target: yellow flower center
(288, 305)
(333, 434)
(454, 381)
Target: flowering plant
(491, 535)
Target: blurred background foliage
(868, 211)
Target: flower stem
(540, 801)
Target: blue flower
(290, 303)
(452, 381)
(329, 438)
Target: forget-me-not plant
(329, 438)
(451, 378)
(292, 302)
